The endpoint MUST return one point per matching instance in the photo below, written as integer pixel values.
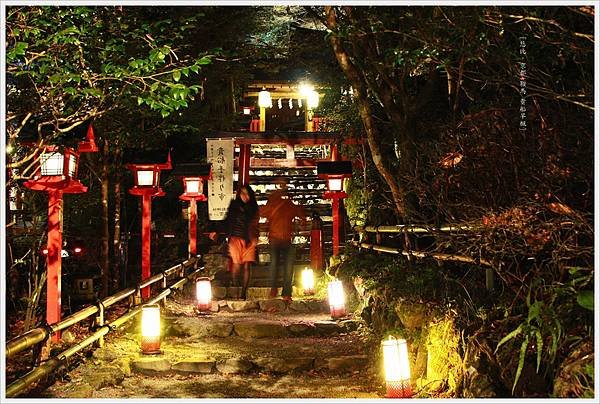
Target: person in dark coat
(242, 231)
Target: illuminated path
(259, 348)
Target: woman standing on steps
(242, 230)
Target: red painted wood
(244, 165)
(192, 228)
(146, 219)
(335, 212)
(54, 260)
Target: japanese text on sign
(220, 187)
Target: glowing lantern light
(247, 111)
(203, 294)
(335, 184)
(308, 281)
(397, 368)
(145, 178)
(192, 185)
(337, 301)
(151, 329)
(264, 99)
(312, 100)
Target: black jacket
(240, 220)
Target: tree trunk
(117, 233)
(105, 228)
(37, 280)
(373, 137)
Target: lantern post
(147, 185)
(335, 172)
(57, 175)
(193, 176)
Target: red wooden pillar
(192, 228)
(335, 212)
(146, 222)
(54, 260)
(244, 165)
(316, 243)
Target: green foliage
(78, 62)
(585, 299)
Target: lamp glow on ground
(308, 281)
(337, 300)
(397, 368)
(203, 295)
(150, 329)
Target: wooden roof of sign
(287, 138)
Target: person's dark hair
(252, 204)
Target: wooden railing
(363, 231)
(41, 334)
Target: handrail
(54, 363)
(37, 335)
(410, 228)
(423, 254)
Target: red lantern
(193, 175)
(147, 185)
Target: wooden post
(244, 165)
(192, 229)
(146, 222)
(335, 212)
(54, 260)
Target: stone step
(260, 293)
(250, 327)
(247, 354)
(100, 384)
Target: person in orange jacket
(280, 212)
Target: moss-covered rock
(444, 363)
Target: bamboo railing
(40, 334)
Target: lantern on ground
(397, 368)
(56, 174)
(193, 176)
(337, 300)
(264, 101)
(150, 329)
(308, 281)
(203, 294)
(334, 173)
(146, 167)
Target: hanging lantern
(291, 103)
(279, 105)
(308, 281)
(299, 102)
(264, 99)
(203, 294)
(397, 368)
(151, 329)
(312, 99)
(337, 301)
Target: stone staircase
(255, 348)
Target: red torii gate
(245, 140)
